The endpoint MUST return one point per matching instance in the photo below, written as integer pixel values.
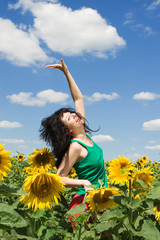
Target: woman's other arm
(67, 163)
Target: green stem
(130, 192)
(79, 235)
(130, 210)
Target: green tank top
(91, 167)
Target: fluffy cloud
(156, 147)
(18, 46)
(72, 32)
(41, 99)
(103, 138)
(7, 124)
(100, 96)
(153, 5)
(50, 96)
(13, 141)
(146, 96)
(153, 125)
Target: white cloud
(148, 30)
(133, 157)
(153, 5)
(7, 124)
(13, 141)
(128, 18)
(34, 142)
(50, 96)
(132, 23)
(153, 125)
(100, 96)
(102, 138)
(72, 32)
(22, 147)
(146, 96)
(20, 47)
(156, 147)
(41, 99)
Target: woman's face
(71, 120)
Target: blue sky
(111, 48)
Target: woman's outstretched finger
(53, 66)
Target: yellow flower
(1, 177)
(42, 158)
(145, 175)
(43, 190)
(142, 161)
(72, 173)
(157, 211)
(99, 199)
(119, 170)
(28, 170)
(108, 180)
(21, 157)
(5, 162)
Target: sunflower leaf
(149, 231)
(155, 192)
(10, 218)
(4, 189)
(140, 183)
(101, 182)
(105, 226)
(115, 215)
(138, 191)
(77, 209)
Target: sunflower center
(123, 170)
(158, 208)
(41, 186)
(101, 198)
(0, 159)
(42, 159)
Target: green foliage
(132, 219)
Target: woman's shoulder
(75, 145)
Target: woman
(66, 132)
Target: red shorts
(76, 201)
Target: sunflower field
(34, 201)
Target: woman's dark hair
(54, 132)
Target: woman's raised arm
(75, 91)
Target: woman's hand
(61, 66)
(86, 185)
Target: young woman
(66, 132)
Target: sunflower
(43, 190)
(5, 162)
(72, 173)
(42, 158)
(119, 170)
(145, 175)
(157, 211)
(99, 199)
(21, 157)
(142, 161)
(28, 170)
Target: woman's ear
(71, 133)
